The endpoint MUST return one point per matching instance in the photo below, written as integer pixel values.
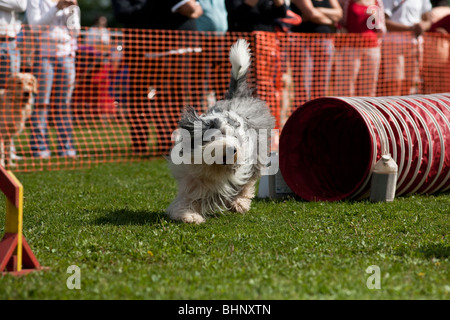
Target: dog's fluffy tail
(240, 63)
(240, 59)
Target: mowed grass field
(109, 221)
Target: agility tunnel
(329, 146)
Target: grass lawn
(109, 221)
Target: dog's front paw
(192, 217)
(181, 210)
(241, 205)
(187, 217)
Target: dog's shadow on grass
(124, 217)
(434, 251)
(279, 199)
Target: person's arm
(427, 19)
(424, 25)
(418, 29)
(252, 3)
(310, 13)
(36, 17)
(393, 26)
(441, 30)
(278, 3)
(334, 13)
(13, 5)
(190, 8)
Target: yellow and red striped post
(16, 257)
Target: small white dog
(15, 109)
(223, 149)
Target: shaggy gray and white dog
(224, 149)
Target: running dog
(227, 147)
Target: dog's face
(16, 103)
(20, 88)
(220, 135)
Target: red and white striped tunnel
(329, 146)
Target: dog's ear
(34, 81)
(188, 119)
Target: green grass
(96, 142)
(110, 222)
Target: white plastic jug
(384, 180)
(273, 185)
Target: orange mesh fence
(295, 68)
(120, 97)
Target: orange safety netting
(130, 86)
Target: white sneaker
(13, 154)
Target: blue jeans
(9, 60)
(56, 73)
(317, 61)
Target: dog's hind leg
(181, 209)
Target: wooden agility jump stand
(16, 257)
